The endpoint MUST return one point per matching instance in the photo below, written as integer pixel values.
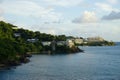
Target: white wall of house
(61, 43)
(32, 40)
(70, 43)
(78, 41)
(46, 43)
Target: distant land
(18, 44)
(117, 43)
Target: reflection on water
(97, 63)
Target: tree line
(13, 48)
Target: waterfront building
(46, 43)
(61, 43)
(32, 40)
(70, 43)
(95, 39)
(78, 41)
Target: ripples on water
(97, 63)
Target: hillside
(16, 44)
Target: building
(70, 43)
(32, 40)
(17, 34)
(61, 43)
(78, 41)
(46, 43)
(95, 39)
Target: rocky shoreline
(26, 57)
(9, 64)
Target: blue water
(97, 63)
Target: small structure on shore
(46, 43)
(70, 43)
(32, 40)
(95, 39)
(67, 46)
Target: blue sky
(86, 18)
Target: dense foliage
(16, 43)
(13, 48)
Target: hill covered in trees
(16, 42)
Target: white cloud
(87, 17)
(64, 3)
(1, 15)
(1, 11)
(105, 7)
(113, 1)
(29, 8)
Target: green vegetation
(14, 44)
(11, 51)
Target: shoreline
(26, 59)
(9, 65)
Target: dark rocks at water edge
(9, 64)
(63, 50)
(73, 49)
(25, 58)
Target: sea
(95, 63)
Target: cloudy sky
(84, 18)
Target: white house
(78, 41)
(61, 43)
(69, 42)
(46, 43)
(32, 40)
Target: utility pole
(54, 44)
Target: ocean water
(96, 63)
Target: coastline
(10, 64)
(26, 57)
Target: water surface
(97, 63)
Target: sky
(79, 18)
